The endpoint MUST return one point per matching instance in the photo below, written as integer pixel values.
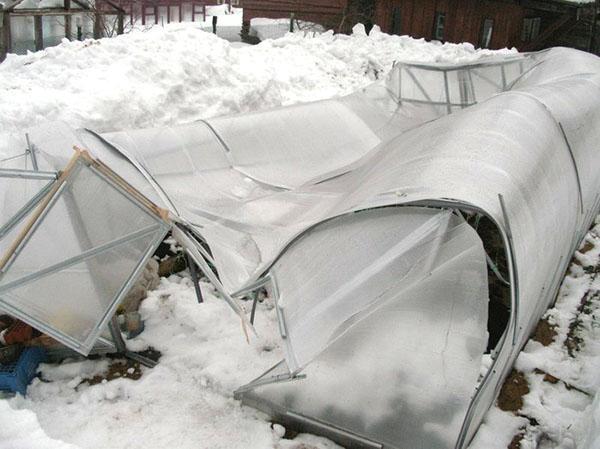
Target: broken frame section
(384, 313)
(73, 249)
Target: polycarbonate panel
(405, 346)
(345, 267)
(420, 84)
(288, 152)
(455, 86)
(15, 194)
(73, 303)
(88, 212)
(72, 268)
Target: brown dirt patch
(545, 333)
(118, 369)
(587, 247)
(512, 392)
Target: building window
(438, 26)
(396, 21)
(531, 28)
(486, 33)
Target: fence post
(292, 22)
(68, 20)
(120, 22)
(97, 24)
(38, 33)
(5, 37)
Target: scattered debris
(516, 441)
(118, 369)
(172, 265)
(17, 376)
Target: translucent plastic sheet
(69, 272)
(399, 351)
(356, 262)
(16, 195)
(289, 153)
(519, 147)
(449, 88)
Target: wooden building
(324, 12)
(525, 24)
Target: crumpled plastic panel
(73, 267)
(390, 324)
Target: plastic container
(17, 376)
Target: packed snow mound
(179, 74)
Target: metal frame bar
(31, 149)
(129, 283)
(436, 103)
(159, 228)
(78, 259)
(33, 229)
(495, 269)
(512, 262)
(418, 84)
(145, 173)
(189, 243)
(27, 174)
(195, 279)
(118, 189)
(279, 378)
(254, 297)
(254, 286)
(577, 177)
(447, 91)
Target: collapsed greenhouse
(407, 233)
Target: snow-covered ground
(179, 74)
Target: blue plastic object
(17, 376)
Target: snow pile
(179, 74)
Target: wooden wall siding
(464, 19)
(326, 12)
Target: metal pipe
(79, 258)
(194, 273)
(27, 174)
